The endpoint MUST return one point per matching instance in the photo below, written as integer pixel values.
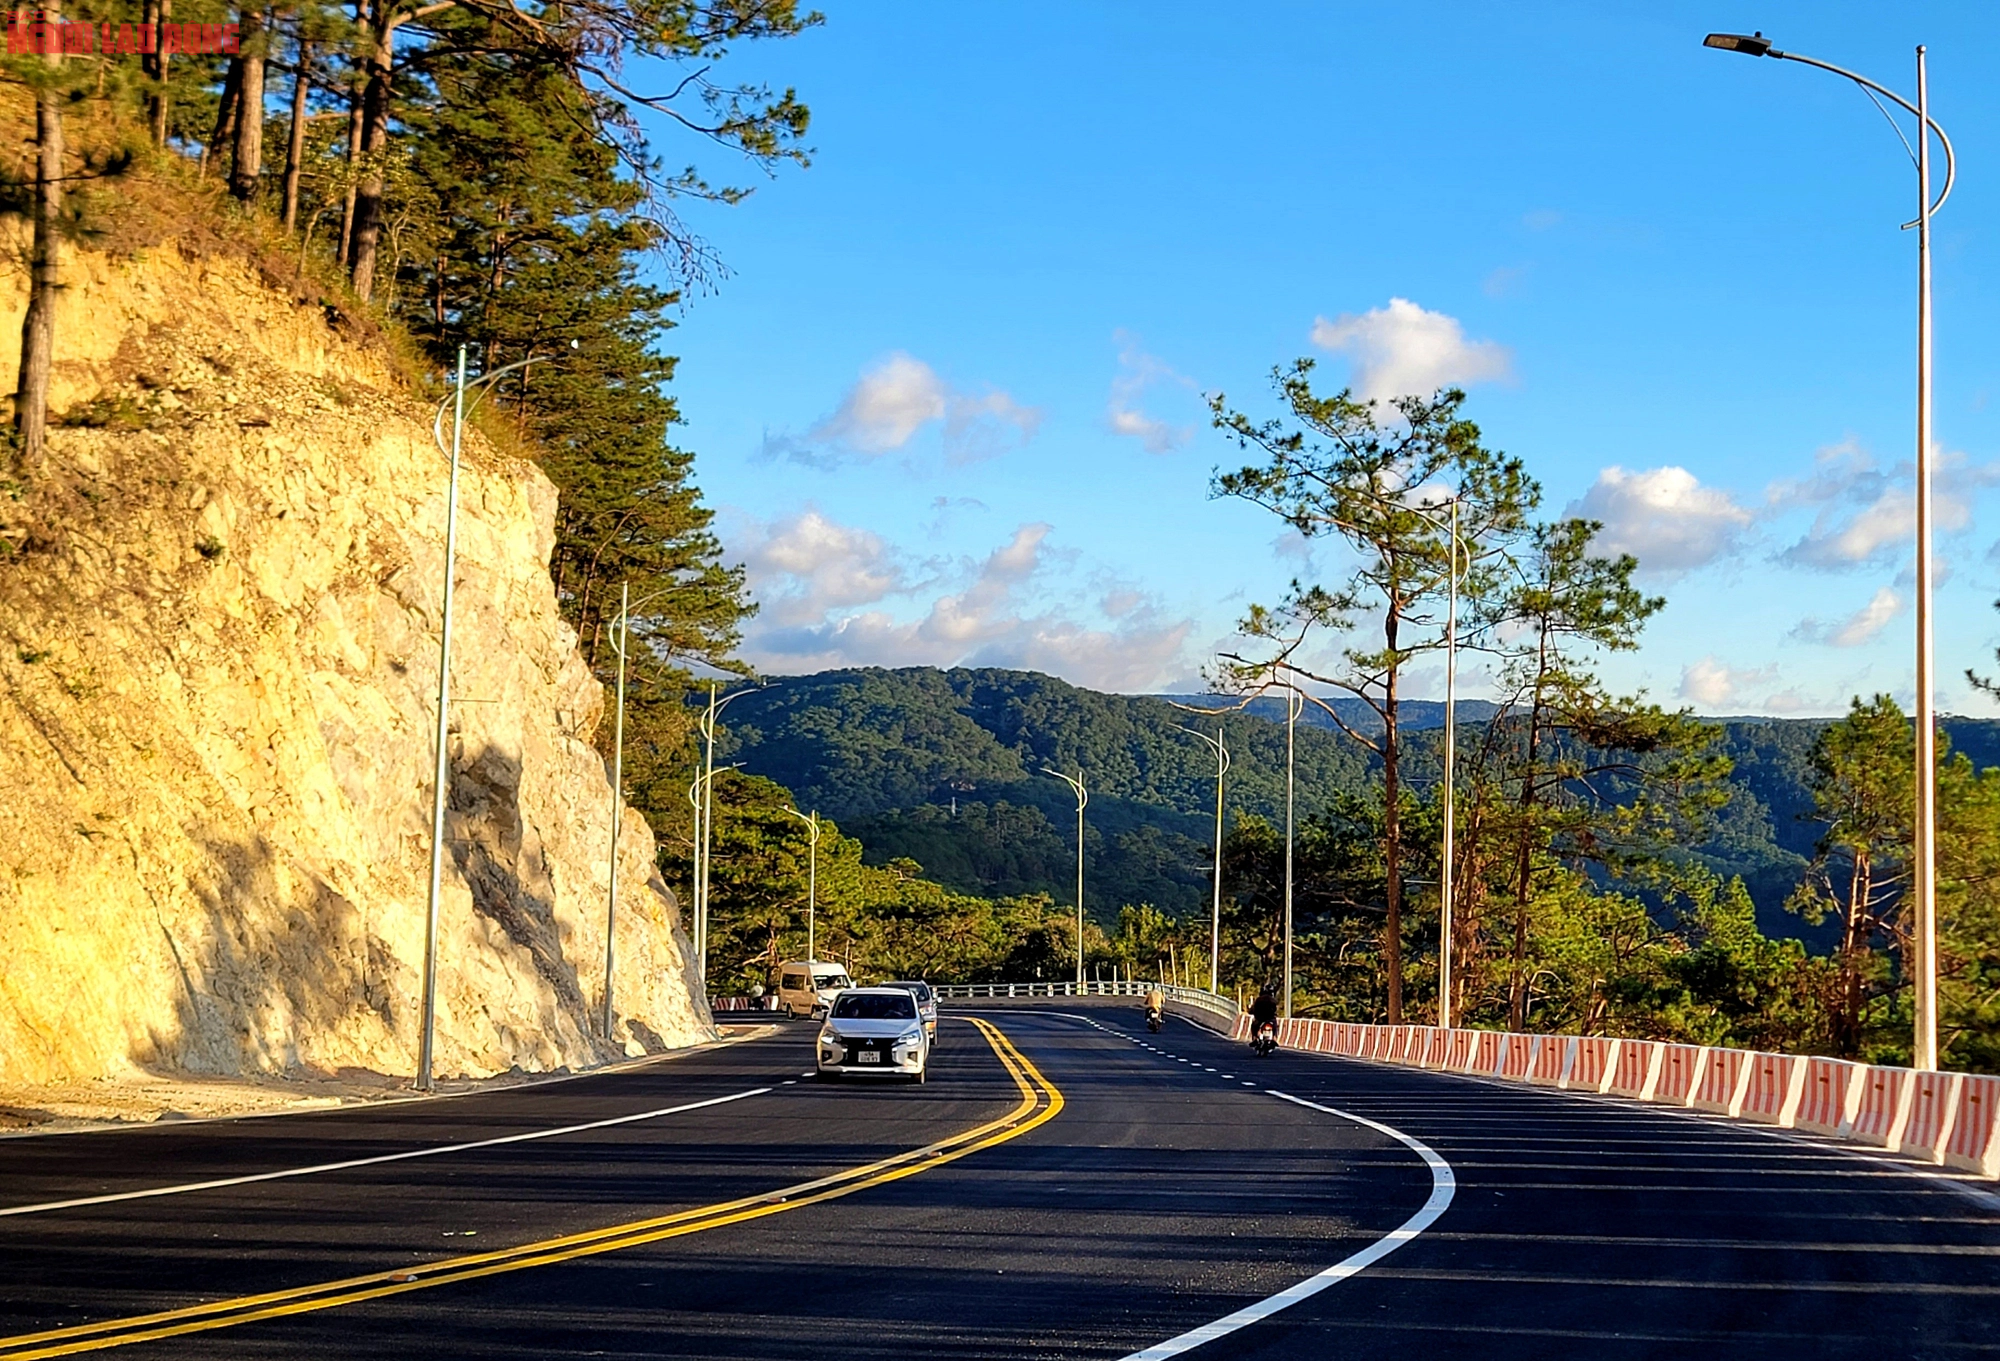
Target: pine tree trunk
(1847, 1021)
(246, 167)
(1392, 828)
(368, 205)
(295, 142)
(353, 158)
(38, 326)
(156, 16)
(225, 116)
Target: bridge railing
(1948, 1119)
(1220, 1012)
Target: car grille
(882, 1047)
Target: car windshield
(833, 980)
(875, 1006)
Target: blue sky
(948, 403)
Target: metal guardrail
(1221, 1007)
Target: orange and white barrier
(1974, 1145)
(1951, 1119)
(1830, 1095)
(1681, 1069)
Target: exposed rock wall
(219, 618)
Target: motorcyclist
(1156, 1006)
(1263, 1011)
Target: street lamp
(698, 928)
(1924, 933)
(1455, 575)
(1082, 798)
(1215, 913)
(619, 635)
(704, 821)
(812, 877)
(441, 772)
(1295, 703)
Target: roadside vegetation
(476, 174)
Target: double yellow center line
(1040, 1102)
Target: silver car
(874, 1032)
(927, 1002)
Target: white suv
(874, 1032)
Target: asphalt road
(1121, 1189)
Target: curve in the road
(1443, 1185)
(1040, 1102)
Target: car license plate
(870, 1056)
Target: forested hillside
(946, 768)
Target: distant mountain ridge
(947, 768)
(1413, 714)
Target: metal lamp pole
(1215, 911)
(812, 878)
(705, 827)
(1082, 798)
(700, 867)
(619, 636)
(441, 770)
(1295, 703)
(1923, 1050)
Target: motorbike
(1266, 1040)
(1153, 1019)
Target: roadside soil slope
(219, 615)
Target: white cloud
(986, 426)
(890, 403)
(1402, 350)
(1663, 517)
(798, 569)
(1866, 513)
(1710, 684)
(896, 398)
(1138, 371)
(811, 574)
(1858, 627)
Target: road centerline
(1040, 1102)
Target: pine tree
(1335, 466)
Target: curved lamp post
(1446, 855)
(1923, 1050)
(704, 821)
(619, 634)
(441, 772)
(1082, 798)
(1215, 911)
(811, 821)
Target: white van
(808, 987)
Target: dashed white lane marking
(1249, 1084)
(810, 1072)
(430, 1152)
(789, 1082)
(1443, 1185)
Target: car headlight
(827, 1037)
(910, 1037)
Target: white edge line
(221, 1182)
(1444, 1183)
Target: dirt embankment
(219, 613)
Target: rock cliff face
(219, 613)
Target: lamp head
(1751, 45)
